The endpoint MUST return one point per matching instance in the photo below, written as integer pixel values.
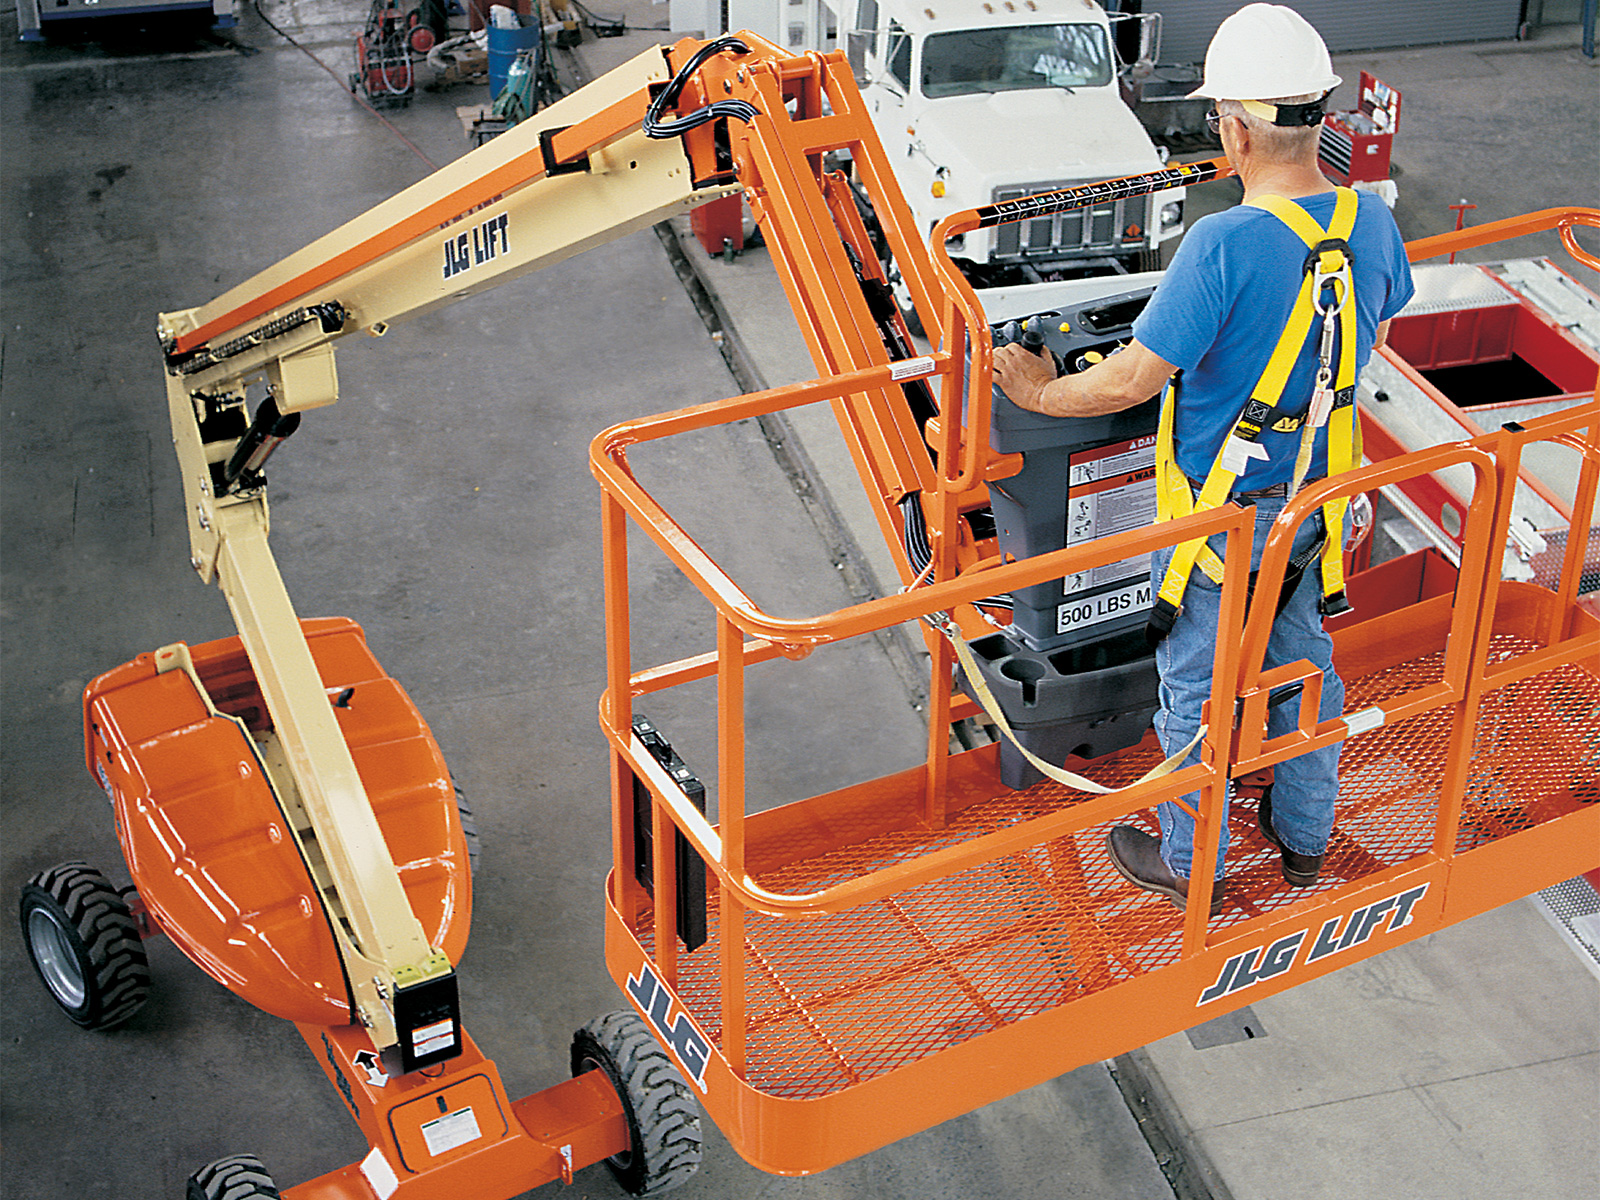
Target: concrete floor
(1445, 1068)
(446, 504)
(145, 176)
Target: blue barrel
(504, 46)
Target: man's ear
(1241, 134)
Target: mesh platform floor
(839, 999)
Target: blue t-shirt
(1223, 304)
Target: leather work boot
(1137, 857)
(1299, 869)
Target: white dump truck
(979, 101)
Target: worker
(1239, 278)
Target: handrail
(1563, 219)
(1252, 749)
(609, 462)
(927, 868)
(1276, 550)
(1233, 522)
(966, 313)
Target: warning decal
(451, 1130)
(432, 1038)
(1110, 489)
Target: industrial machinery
(388, 49)
(991, 945)
(845, 970)
(37, 18)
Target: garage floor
(445, 503)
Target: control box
(1083, 478)
(1074, 672)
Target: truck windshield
(1015, 57)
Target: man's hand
(1023, 375)
(1130, 376)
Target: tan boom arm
(492, 215)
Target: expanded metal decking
(841, 998)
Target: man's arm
(1129, 377)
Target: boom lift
(842, 971)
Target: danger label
(1110, 489)
(430, 1039)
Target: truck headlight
(937, 189)
(1172, 215)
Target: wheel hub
(52, 950)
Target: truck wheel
(469, 827)
(663, 1118)
(237, 1177)
(1145, 260)
(902, 300)
(84, 944)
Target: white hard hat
(1264, 52)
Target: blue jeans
(1304, 788)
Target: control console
(1074, 671)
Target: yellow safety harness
(1326, 292)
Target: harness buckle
(1163, 615)
(1333, 605)
(1321, 277)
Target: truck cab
(983, 101)
(979, 103)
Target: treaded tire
(84, 944)
(902, 298)
(663, 1117)
(469, 828)
(1145, 260)
(237, 1177)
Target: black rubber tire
(84, 944)
(908, 313)
(1145, 260)
(237, 1177)
(469, 828)
(663, 1116)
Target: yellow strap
(1173, 499)
(1304, 224)
(1050, 770)
(1275, 377)
(1174, 496)
(1344, 454)
(1344, 428)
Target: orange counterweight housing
(213, 851)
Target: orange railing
(740, 618)
(1474, 659)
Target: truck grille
(1080, 233)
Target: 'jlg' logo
(655, 1000)
(480, 244)
(1266, 962)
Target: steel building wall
(1187, 25)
